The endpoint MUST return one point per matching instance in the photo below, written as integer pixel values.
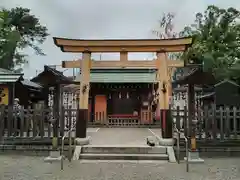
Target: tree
(216, 41)
(166, 27)
(8, 38)
(31, 34)
(166, 31)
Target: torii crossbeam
(161, 47)
(121, 64)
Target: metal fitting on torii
(164, 89)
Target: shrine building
(120, 94)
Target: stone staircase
(114, 152)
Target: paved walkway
(90, 131)
(123, 136)
(156, 132)
(33, 168)
(118, 136)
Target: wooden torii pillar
(162, 47)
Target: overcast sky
(104, 19)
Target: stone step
(124, 157)
(123, 149)
(94, 161)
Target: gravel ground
(33, 168)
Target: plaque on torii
(122, 46)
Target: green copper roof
(8, 76)
(122, 76)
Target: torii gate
(123, 46)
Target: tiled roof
(8, 76)
(59, 77)
(226, 81)
(122, 76)
(30, 84)
(207, 95)
(196, 76)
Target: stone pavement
(33, 168)
(90, 131)
(156, 132)
(126, 136)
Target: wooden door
(100, 108)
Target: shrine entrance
(162, 67)
(124, 104)
(116, 104)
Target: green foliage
(19, 30)
(216, 41)
(8, 39)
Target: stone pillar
(191, 109)
(193, 154)
(56, 110)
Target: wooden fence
(46, 123)
(26, 123)
(143, 119)
(210, 123)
